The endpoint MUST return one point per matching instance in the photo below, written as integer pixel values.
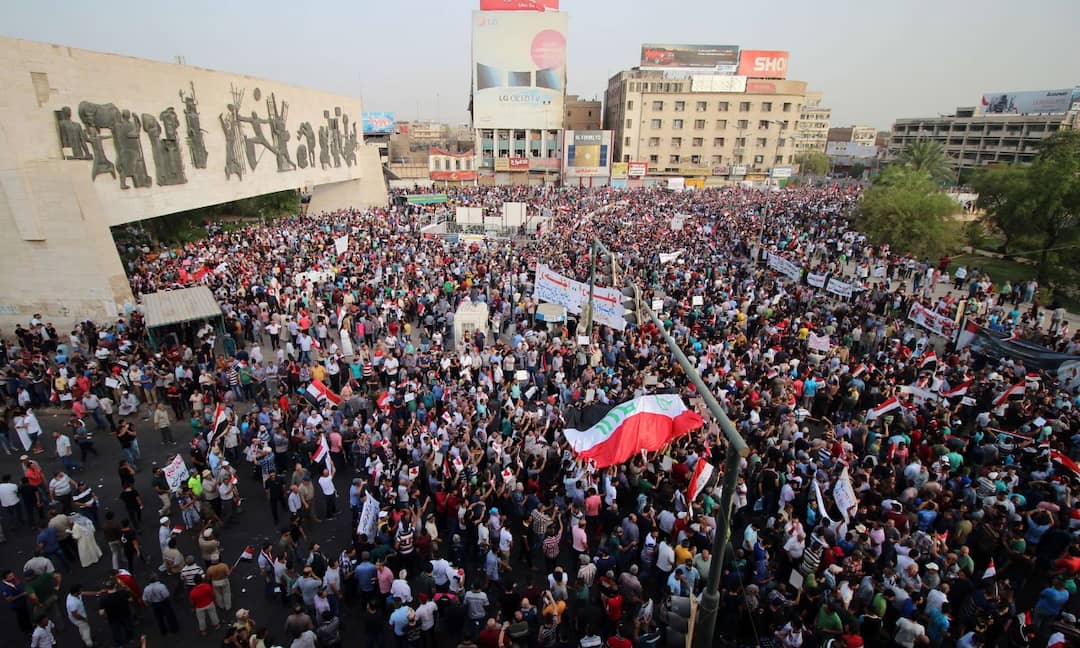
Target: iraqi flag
(321, 394)
(991, 570)
(383, 402)
(703, 475)
(1065, 462)
(322, 454)
(1015, 391)
(218, 425)
(959, 390)
(609, 435)
(927, 359)
(883, 409)
(858, 371)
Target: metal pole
(705, 624)
(592, 286)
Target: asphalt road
(251, 527)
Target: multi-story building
(582, 114)
(973, 139)
(690, 124)
(863, 135)
(813, 130)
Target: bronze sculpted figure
(196, 145)
(324, 145)
(306, 133)
(97, 118)
(130, 161)
(72, 136)
(279, 134)
(168, 162)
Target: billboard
(780, 172)
(453, 176)
(519, 164)
(377, 123)
(620, 169)
(717, 83)
(1030, 102)
(721, 58)
(586, 153)
(519, 5)
(519, 69)
(763, 64)
(637, 169)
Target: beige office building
(583, 114)
(695, 125)
(813, 131)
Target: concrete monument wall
(90, 140)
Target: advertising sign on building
(377, 123)
(1032, 102)
(586, 153)
(781, 172)
(519, 69)
(760, 86)
(738, 170)
(453, 176)
(637, 169)
(519, 164)
(720, 58)
(519, 5)
(619, 169)
(717, 83)
(763, 64)
(502, 164)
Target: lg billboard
(519, 69)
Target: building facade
(583, 114)
(973, 139)
(694, 125)
(813, 129)
(863, 135)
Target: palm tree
(929, 157)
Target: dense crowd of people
(899, 491)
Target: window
(654, 141)
(779, 159)
(761, 142)
(784, 124)
(626, 141)
(695, 159)
(590, 113)
(722, 106)
(676, 142)
(763, 124)
(787, 106)
(658, 105)
(759, 159)
(743, 124)
(656, 123)
(626, 157)
(718, 141)
(701, 106)
(676, 123)
(653, 159)
(766, 106)
(457, 164)
(744, 106)
(697, 141)
(674, 159)
(780, 143)
(629, 105)
(740, 142)
(717, 159)
(629, 123)
(721, 124)
(680, 106)
(699, 123)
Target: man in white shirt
(9, 499)
(63, 451)
(60, 489)
(43, 634)
(76, 613)
(329, 491)
(908, 632)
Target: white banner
(878, 272)
(552, 287)
(816, 280)
(369, 517)
(341, 244)
(844, 495)
(785, 267)
(932, 321)
(176, 473)
(822, 343)
(840, 288)
(668, 258)
(918, 394)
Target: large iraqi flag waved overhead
(609, 435)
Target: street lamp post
(705, 623)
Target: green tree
(1005, 196)
(1053, 192)
(927, 157)
(907, 210)
(813, 163)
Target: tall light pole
(705, 623)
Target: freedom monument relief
(90, 140)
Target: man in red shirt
(617, 640)
(202, 599)
(493, 636)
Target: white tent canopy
(176, 306)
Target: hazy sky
(874, 60)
